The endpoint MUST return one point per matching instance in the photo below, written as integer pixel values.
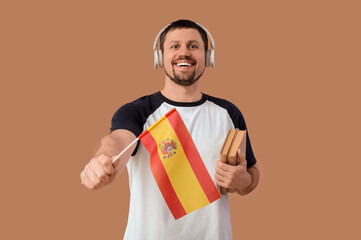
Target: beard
(188, 80)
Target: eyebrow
(177, 41)
(174, 41)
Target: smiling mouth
(184, 65)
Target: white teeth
(183, 64)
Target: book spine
(232, 160)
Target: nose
(184, 51)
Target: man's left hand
(233, 177)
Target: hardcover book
(236, 139)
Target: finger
(221, 171)
(226, 169)
(221, 165)
(242, 159)
(83, 178)
(106, 164)
(93, 178)
(221, 184)
(86, 182)
(115, 164)
(82, 175)
(99, 172)
(221, 180)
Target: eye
(175, 46)
(193, 46)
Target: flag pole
(120, 154)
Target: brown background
(292, 67)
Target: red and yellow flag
(177, 166)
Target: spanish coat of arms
(167, 148)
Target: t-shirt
(208, 122)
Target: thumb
(242, 159)
(116, 161)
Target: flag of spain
(177, 166)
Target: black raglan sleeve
(240, 122)
(127, 117)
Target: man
(184, 46)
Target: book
(236, 139)
(239, 142)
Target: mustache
(184, 58)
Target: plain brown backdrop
(292, 67)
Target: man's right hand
(98, 172)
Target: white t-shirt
(208, 122)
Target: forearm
(253, 171)
(109, 146)
(112, 144)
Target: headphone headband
(158, 56)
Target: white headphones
(158, 56)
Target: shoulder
(143, 104)
(133, 115)
(233, 111)
(142, 101)
(225, 104)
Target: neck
(180, 93)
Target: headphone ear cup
(155, 59)
(211, 58)
(208, 58)
(160, 58)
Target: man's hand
(235, 178)
(98, 172)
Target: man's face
(184, 56)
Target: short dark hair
(183, 23)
